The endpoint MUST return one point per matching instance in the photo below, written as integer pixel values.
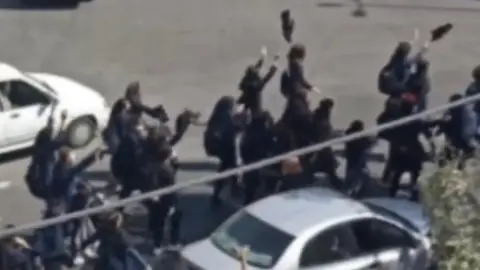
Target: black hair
(355, 126)
(225, 105)
(401, 52)
(297, 51)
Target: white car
(27, 100)
(317, 229)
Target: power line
(236, 171)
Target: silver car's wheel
(81, 132)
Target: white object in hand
(316, 90)
(416, 35)
(264, 52)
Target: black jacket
(298, 119)
(252, 85)
(258, 138)
(293, 79)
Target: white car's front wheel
(81, 132)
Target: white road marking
(5, 184)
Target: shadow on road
(334, 4)
(199, 220)
(14, 156)
(39, 5)
(97, 175)
(206, 165)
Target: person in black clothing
(297, 120)
(40, 170)
(409, 153)
(474, 89)
(126, 163)
(113, 248)
(162, 173)
(324, 160)
(394, 75)
(256, 145)
(356, 152)
(253, 83)
(47, 140)
(135, 104)
(390, 113)
(131, 103)
(459, 127)
(117, 123)
(293, 78)
(162, 134)
(220, 136)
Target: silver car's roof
(297, 210)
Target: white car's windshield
(265, 242)
(41, 82)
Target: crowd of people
(240, 130)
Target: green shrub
(452, 203)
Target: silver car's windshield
(266, 243)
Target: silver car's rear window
(385, 212)
(266, 243)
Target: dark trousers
(226, 162)
(73, 231)
(251, 182)
(158, 216)
(403, 162)
(356, 177)
(326, 162)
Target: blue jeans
(356, 177)
(134, 261)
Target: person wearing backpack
(394, 75)
(40, 170)
(219, 138)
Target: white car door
(29, 112)
(3, 125)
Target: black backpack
(214, 133)
(34, 183)
(388, 84)
(384, 81)
(212, 141)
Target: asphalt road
(188, 53)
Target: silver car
(316, 229)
